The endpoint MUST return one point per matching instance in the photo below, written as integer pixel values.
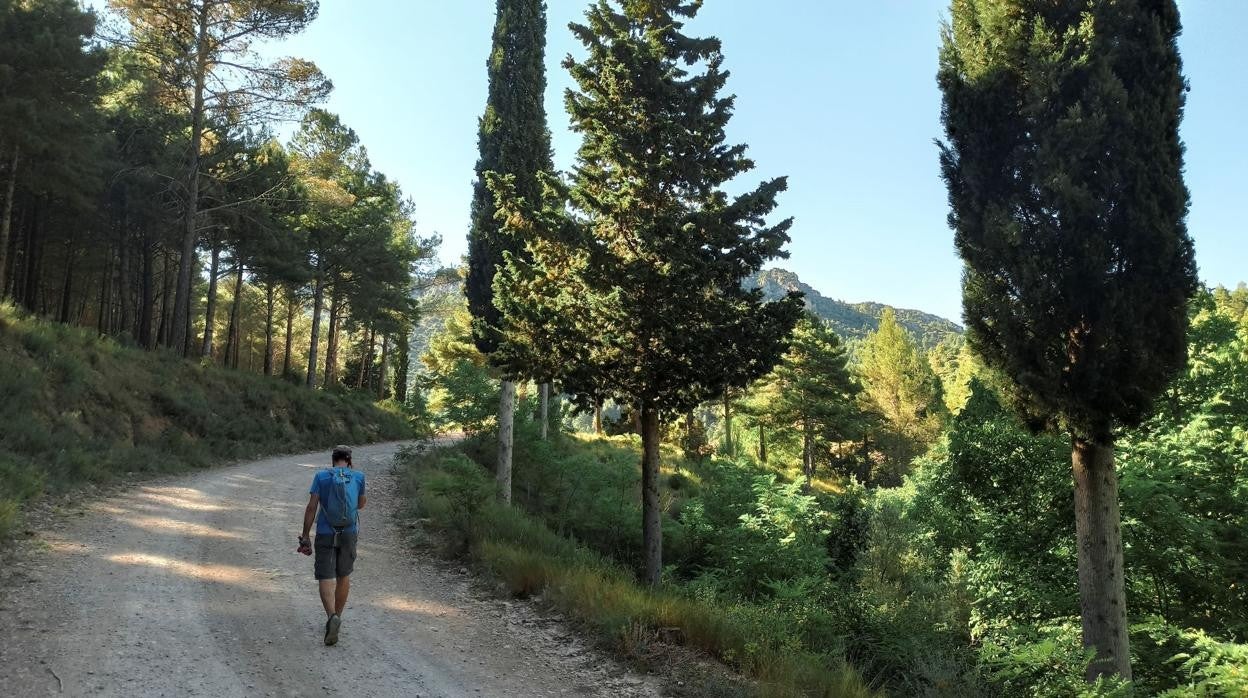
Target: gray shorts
(335, 555)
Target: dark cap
(342, 453)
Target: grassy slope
(79, 409)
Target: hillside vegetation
(852, 320)
(944, 566)
(80, 409)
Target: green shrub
(778, 536)
(530, 558)
(1044, 661)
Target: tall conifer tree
(202, 52)
(513, 141)
(811, 394)
(49, 83)
(639, 294)
(900, 386)
(1065, 176)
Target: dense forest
(147, 194)
(663, 440)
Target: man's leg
(344, 564)
(340, 595)
(327, 589)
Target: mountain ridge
(852, 320)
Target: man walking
(338, 493)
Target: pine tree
(640, 294)
(812, 393)
(332, 168)
(49, 85)
(203, 54)
(900, 386)
(513, 141)
(1065, 176)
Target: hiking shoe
(331, 629)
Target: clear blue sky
(838, 95)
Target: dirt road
(192, 586)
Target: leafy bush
(780, 536)
(531, 559)
(1006, 498)
(1045, 661)
(466, 398)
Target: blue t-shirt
(322, 486)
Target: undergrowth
(587, 574)
(79, 409)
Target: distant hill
(853, 320)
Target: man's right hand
(305, 545)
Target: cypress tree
(1064, 169)
(513, 141)
(638, 295)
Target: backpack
(340, 507)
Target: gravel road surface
(191, 586)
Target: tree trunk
(404, 349)
(124, 318)
(6, 215)
(598, 416)
(318, 300)
(11, 269)
(211, 310)
(290, 330)
(1102, 595)
(147, 295)
(545, 410)
(385, 377)
(331, 346)
(372, 352)
(101, 318)
(385, 367)
(729, 446)
(359, 373)
(190, 235)
(234, 336)
(166, 321)
(366, 359)
(651, 522)
(506, 420)
(808, 452)
(269, 291)
(68, 285)
(34, 256)
(762, 445)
